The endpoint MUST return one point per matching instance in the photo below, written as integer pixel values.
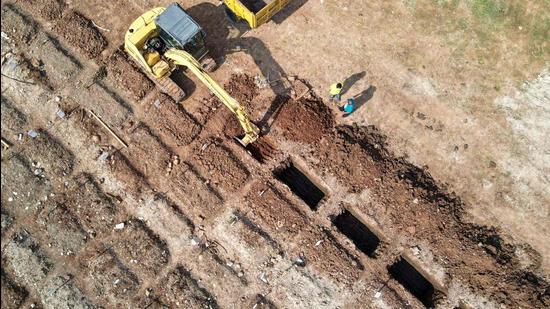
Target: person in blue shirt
(348, 107)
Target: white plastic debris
(119, 226)
(195, 241)
(318, 243)
(157, 103)
(377, 295)
(263, 277)
(57, 99)
(32, 133)
(60, 113)
(104, 155)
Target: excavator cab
(160, 29)
(178, 30)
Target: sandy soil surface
(434, 193)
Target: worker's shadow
(351, 80)
(362, 98)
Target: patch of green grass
(489, 10)
(510, 19)
(539, 39)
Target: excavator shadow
(225, 38)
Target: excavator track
(168, 86)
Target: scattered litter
(377, 295)
(263, 277)
(60, 113)
(415, 201)
(57, 99)
(119, 226)
(5, 144)
(176, 159)
(195, 241)
(117, 281)
(157, 103)
(10, 199)
(5, 36)
(240, 274)
(32, 133)
(301, 260)
(261, 82)
(204, 146)
(319, 242)
(100, 28)
(415, 250)
(19, 136)
(104, 155)
(262, 193)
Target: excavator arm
(183, 58)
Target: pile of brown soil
(80, 33)
(242, 88)
(173, 120)
(127, 76)
(305, 120)
(47, 9)
(223, 169)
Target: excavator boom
(183, 58)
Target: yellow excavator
(162, 39)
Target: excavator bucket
(262, 149)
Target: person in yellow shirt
(334, 91)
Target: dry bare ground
(434, 193)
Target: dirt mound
(305, 120)
(80, 32)
(222, 167)
(47, 9)
(127, 76)
(17, 25)
(173, 120)
(242, 88)
(419, 205)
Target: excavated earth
(316, 215)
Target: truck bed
(255, 5)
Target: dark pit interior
(413, 281)
(300, 184)
(362, 237)
(254, 5)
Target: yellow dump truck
(255, 12)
